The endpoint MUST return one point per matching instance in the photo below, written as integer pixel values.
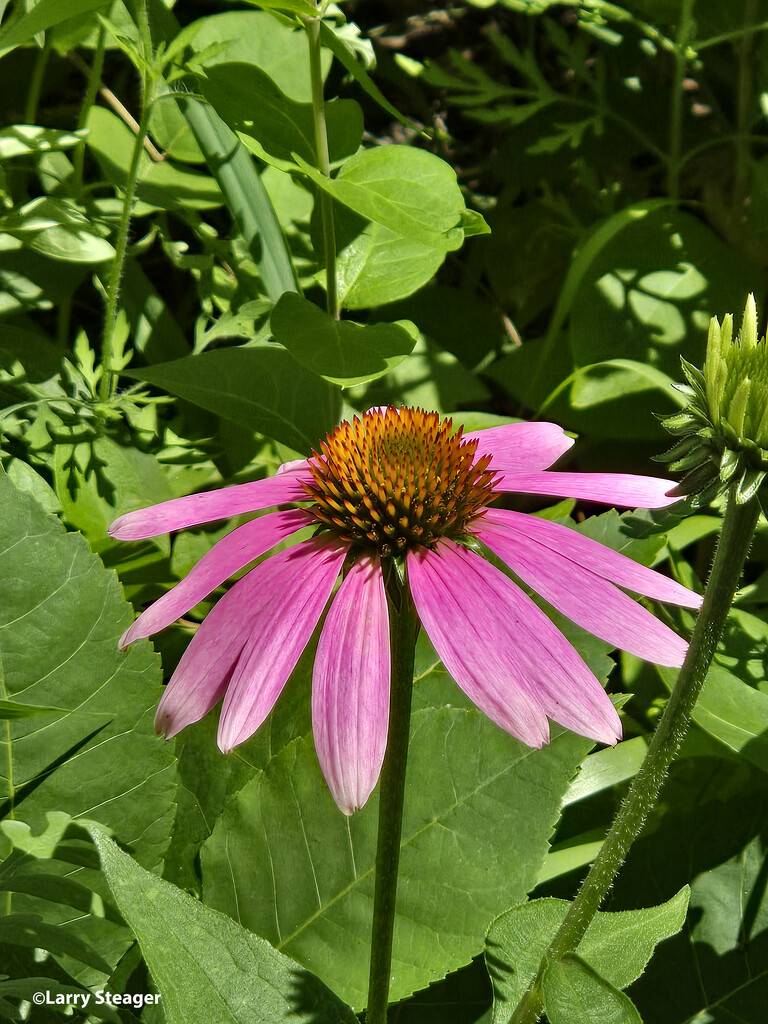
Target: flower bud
(723, 431)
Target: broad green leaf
(379, 266)
(43, 15)
(207, 967)
(606, 768)
(732, 711)
(613, 378)
(710, 828)
(258, 38)
(26, 139)
(617, 945)
(245, 196)
(286, 863)
(342, 352)
(162, 185)
(410, 191)
(61, 614)
(261, 387)
(97, 482)
(654, 285)
(576, 994)
(273, 126)
(56, 228)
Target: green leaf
(616, 945)
(410, 191)
(576, 994)
(290, 866)
(162, 185)
(606, 768)
(258, 38)
(610, 379)
(97, 482)
(43, 15)
(261, 387)
(709, 829)
(57, 229)
(207, 967)
(273, 126)
(245, 196)
(379, 266)
(732, 711)
(341, 352)
(61, 614)
(27, 139)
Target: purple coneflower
(399, 483)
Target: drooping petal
(502, 649)
(586, 598)
(610, 488)
(350, 686)
(288, 594)
(194, 509)
(232, 552)
(202, 675)
(604, 561)
(521, 447)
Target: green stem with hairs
(739, 524)
(323, 165)
(403, 629)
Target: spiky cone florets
(723, 431)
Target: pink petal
(604, 561)
(350, 686)
(232, 552)
(503, 650)
(521, 447)
(203, 673)
(179, 513)
(585, 598)
(288, 594)
(611, 488)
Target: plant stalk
(108, 382)
(324, 166)
(684, 35)
(739, 524)
(403, 627)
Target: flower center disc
(397, 478)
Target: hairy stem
(403, 629)
(739, 525)
(324, 166)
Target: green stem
(739, 525)
(89, 98)
(108, 381)
(744, 49)
(676, 110)
(324, 166)
(36, 83)
(403, 625)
